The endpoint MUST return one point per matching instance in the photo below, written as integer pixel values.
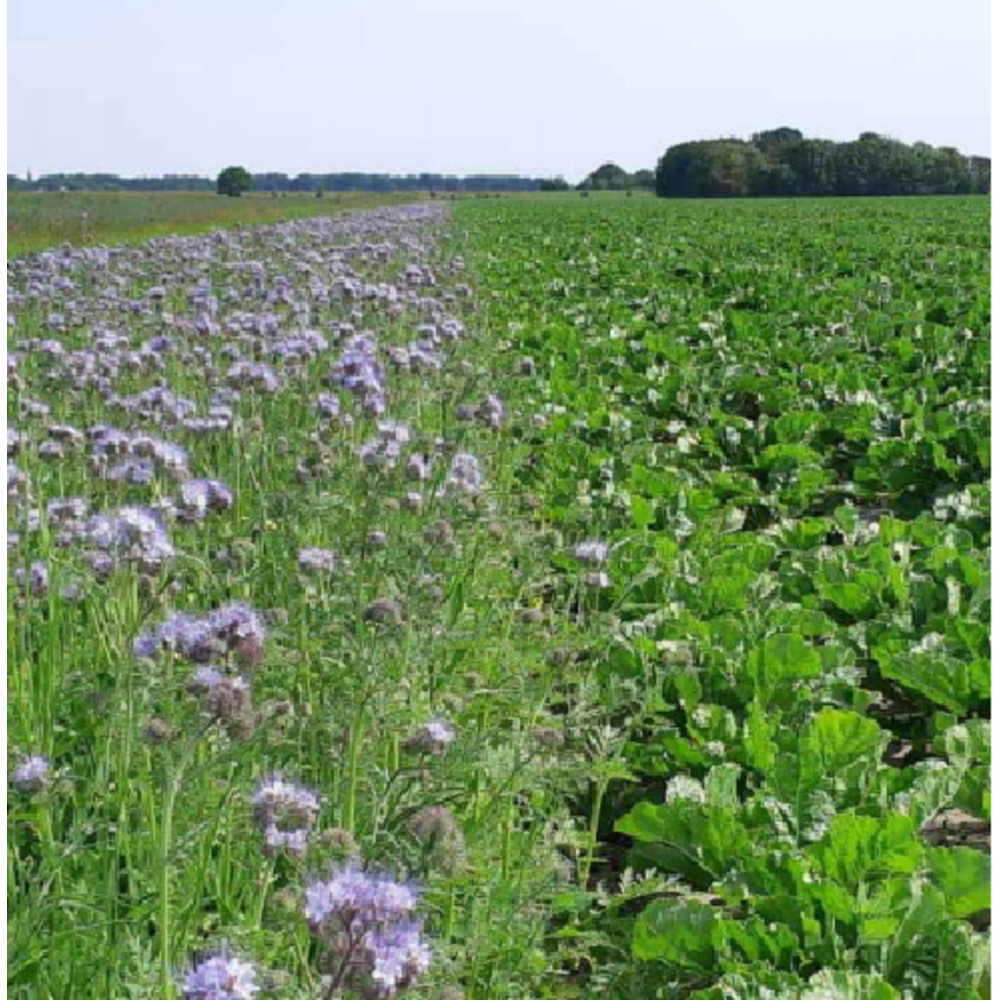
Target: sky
(533, 87)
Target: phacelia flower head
(286, 813)
(226, 699)
(465, 475)
(367, 921)
(221, 977)
(199, 496)
(33, 773)
(233, 630)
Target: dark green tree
(645, 180)
(607, 177)
(233, 181)
(717, 168)
(772, 138)
(781, 163)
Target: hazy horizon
(469, 87)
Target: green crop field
(39, 220)
(537, 598)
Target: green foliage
(774, 412)
(782, 162)
(37, 221)
(611, 177)
(233, 182)
(706, 773)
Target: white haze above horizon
(461, 86)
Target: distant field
(36, 220)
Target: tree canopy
(611, 177)
(233, 181)
(782, 162)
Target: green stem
(595, 821)
(166, 837)
(354, 753)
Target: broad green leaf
(859, 848)
(837, 985)
(701, 842)
(782, 659)
(963, 875)
(679, 933)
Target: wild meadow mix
(513, 599)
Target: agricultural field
(41, 220)
(520, 598)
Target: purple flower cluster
(221, 977)
(286, 813)
(234, 630)
(368, 923)
(17, 483)
(34, 580)
(199, 496)
(252, 375)
(465, 475)
(226, 699)
(318, 562)
(592, 553)
(33, 773)
(129, 534)
(595, 554)
(144, 451)
(358, 370)
(385, 450)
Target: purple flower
(234, 629)
(32, 774)
(318, 561)
(465, 475)
(592, 553)
(199, 496)
(398, 956)
(134, 534)
(221, 977)
(283, 804)
(367, 922)
(353, 900)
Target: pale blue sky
(534, 87)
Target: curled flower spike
(221, 977)
(384, 611)
(225, 699)
(432, 737)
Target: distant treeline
(611, 177)
(782, 162)
(280, 182)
